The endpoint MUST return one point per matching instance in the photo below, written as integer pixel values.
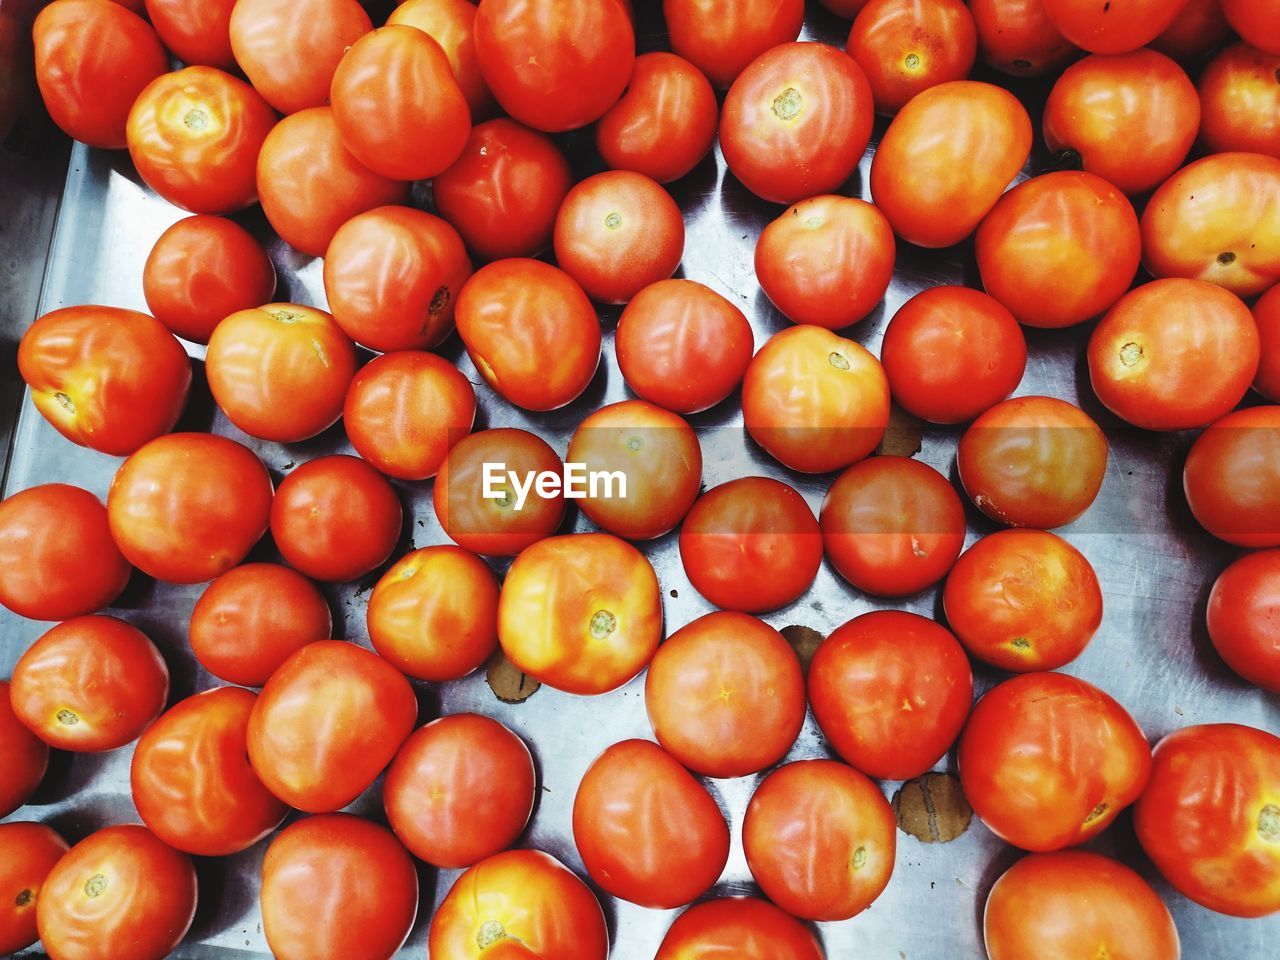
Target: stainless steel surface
(1154, 563)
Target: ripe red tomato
(725, 695)
(92, 59)
(647, 831)
(1241, 618)
(1033, 462)
(107, 379)
(28, 852)
(1059, 249)
(120, 892)
(531, 332)
(1174, 354)
(1266, 314)
(1255, 21)
(820, 840)
(751, 544)
(1111, 28)
(451, 23)
(1049, 761)
(328, 721)
(815, 401)
(796, 122)
(683, 346)
(581, 613)
(908, 47)
(197, 31)
(336, 518)
(461, 789)
(1199, 28)
(1240, 101)
(57, 558)
(337, 886)
(935, 190)
(721, 39)
(741, 927)
(1018, 38)
(173, 495)
(251, 619)
(826, 261)
(1073, 903)
(23, 756)
(1232, 478)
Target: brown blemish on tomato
(24, 897)
(439, 301)
(1226, 258)
(1097, 812)
(66, 403)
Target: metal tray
(83, 239)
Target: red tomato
(751, 544)
(1199, 28)
(251, 619)
(935, 190)
(827, 260)
(106, 378)
(1073, 903)
(1116, 27)
(906, 47)
(120, 892)
(1033, 462)
(1242, 618)
(460, 789)
(1266, 314)
(1240, 100)
(197, 31)
(1049, 761)
(740, 927)
(1059, 249)
(28, 852)
(92, 59)
(725, 695)
(796, 122)
(451, 23)
(335, 887)
(952, 353)
(1018, 38)
(683, 346)
(23, 756)
(57, 558)
(1255, 21)
(721, 39)
(647, 830)
(172, 495)
(1174, 354)
(1232, 478)
(327, 723)
(531, 332)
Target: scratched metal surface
(1154, 563)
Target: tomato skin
(144, 910)
(796, 122)
(1199, 28)
(23, 755)
(197, 31)
(1049, 761)
(826, 261)
(1174, 354)
(1018, 38)
(1232, 478)
(451, 23)
(92, 59)
(337, 886)
(742, 927)
(1118, 28)
(1266, 314)
(721, 39)
(725, 695)
(1240, 99)
(28, 852)
(1241, 614)
(1255, 21)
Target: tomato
(280, 372)
(581, 613)
(1199, 28)
(531, 332)
(796, 122)
(935, 190)
(1058, 906)
(310, 184)
(720, 39)
(405, 410)
(336, 518)
(28, 852)
(1023, 600)
(1217, 219)
(1232, 478)
(1242, 614)
(1240, 100)
(1129, 118)
(952, 353)
(683, 346)
(92, 59)
(451, 24)
(1174, 354)
(1059, 249)
(582, 52)
(751, 544)
(197, 31)
(337, 886)
(519, 899)
(1266, 314)
(1018, 38)
(328, 721)
(741, 927)
(289, 49)
(23, 756)
(1049, 761)
(1117, 27)
(251, 619)
(815, 401)
(647, 831)
(106, 378)
(120, 892)
(503, 194)
(725, 695)
(908, 47)
(57, 558)
(665, 122)
(461, 789)
(173, 495)
(1033, 462)
(203, 269)
(1255, 21)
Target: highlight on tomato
(451, 23)
(1232, 478)
(721, 40)
(1240, 101)
(751, 928)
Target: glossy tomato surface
(1244, 618)
(905, 48)
(195, 31)
(1199, 27)
(1240, 100)
(28, 852)
(1018, 38)
(721, 39)
(451, 23)
(1255, 20)
(23, 755)
(1111, 28)
(741, 927)
(1232, 478)
(1266, 314)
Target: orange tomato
(23, 756)
(751, 929)
(196, 31)
(1266, 314)
(1255, 21)
(721, 39)
(1018, 38)
(451, 23)
(908, 47)
(1232, 478)
(28, 852)
(1116, 27)
(1240, 101)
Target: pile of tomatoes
(1162, 224)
